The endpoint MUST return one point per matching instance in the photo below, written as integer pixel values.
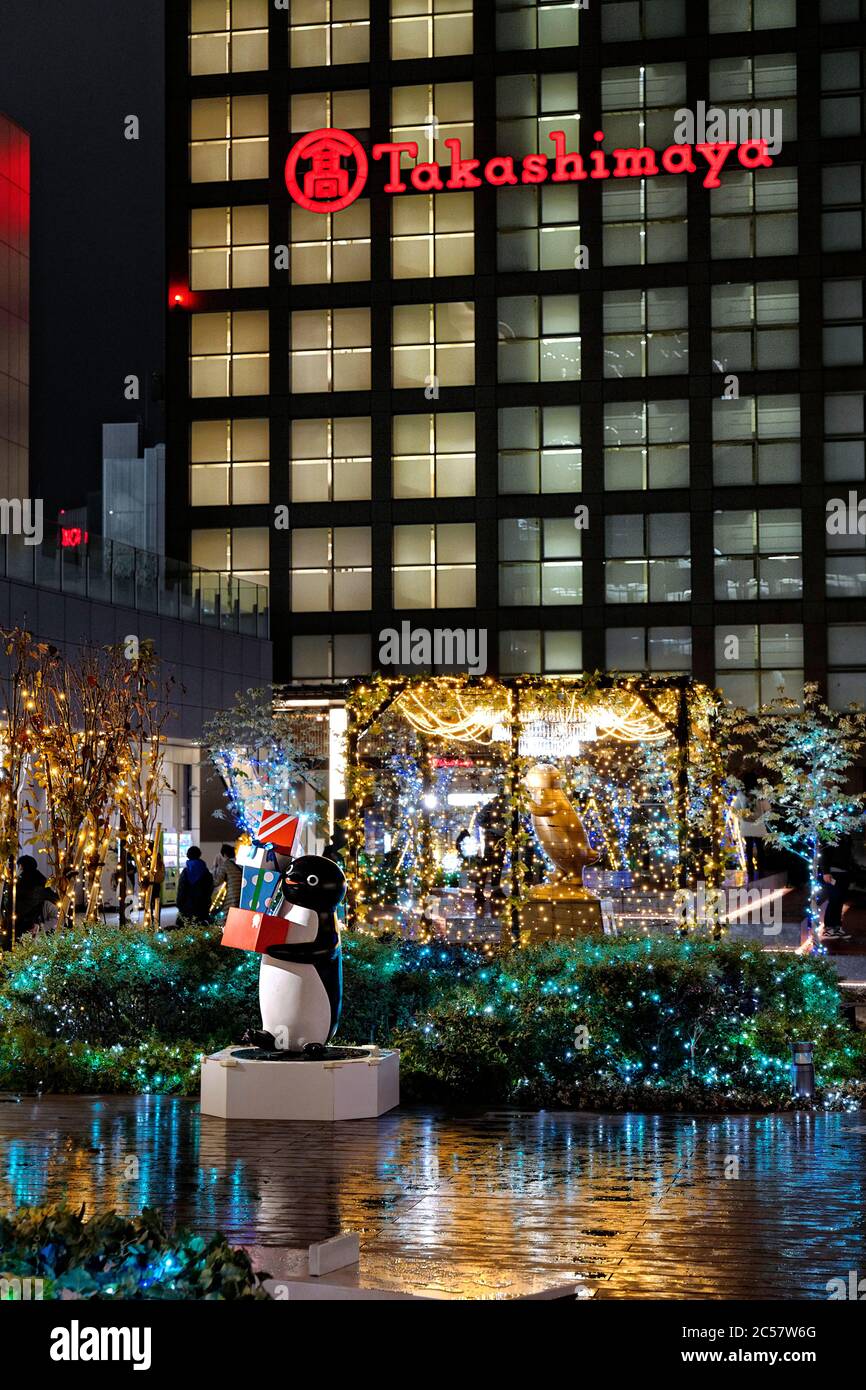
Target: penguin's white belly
(294, 1003)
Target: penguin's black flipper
(257, 1037)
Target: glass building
(600, 418)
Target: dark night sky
(70, 71)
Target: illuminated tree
(15, 756)
(804, 755)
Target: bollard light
(803, 1069)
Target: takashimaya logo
(327, 169)
(327, 186)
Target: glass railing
(111, 572)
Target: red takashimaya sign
(318, 178)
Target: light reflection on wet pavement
(488, 1204)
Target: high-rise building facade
(14, 310)
(597, 412)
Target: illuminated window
(229, 462)
(324, 110)
(539, 338)
(639, 104)
(842, 82)
(647, 558)
(433, 344)
(331, 247)
(240, 551)
(430, 115)
(539, 449)
(434, 566)
(325, 33)
(530, 107)
(229, 354)
(843, 323)
(642, 19)
(842, 203)
(662, 650)
(645, 221)
(646, 333)
(434, 455)
(646, 445)
(539, 562)
(846, 658)
(756, 327)
(331, 460)
(767, 82)
(334, 657)
(739, 16)
(756, 440)
(228, 139)
(228, 248)
(330, 350)
(527, 24)
(430, 28)
(538, 228)
(755, 216)
(532, 652)
(228, 36)
(846, 557)
(432, 236)
(845, 437)
(758, 554)
(331, 569)
(757, 663)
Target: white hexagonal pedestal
(350, 1088)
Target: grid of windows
(535, 380)
(434, 566)
(330, 350)
(539, 562)
(756, 439)
(227, 36)
(331, 459)
(539, 449)
(331, 569)
(229, 353)
(328, 248)
(647, 558)
(433, 455)
(758, 554)
(646, 445)
(326, 33)
(228, 138)
(228, 248)
(430, 28)
(229, 462)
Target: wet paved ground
(483, 1205)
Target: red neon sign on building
(328, 187)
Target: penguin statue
(301, 982)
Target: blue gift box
(258, 885)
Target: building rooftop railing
(110, 572)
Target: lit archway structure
(513, 721)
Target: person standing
(228, 871)
(194, 889)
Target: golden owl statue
(561, 834)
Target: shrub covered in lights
(641, 1023)
(118, 1257)
(625, 1023)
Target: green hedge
(648, 1023)
(119, 1257)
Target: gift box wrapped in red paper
(254, 931)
